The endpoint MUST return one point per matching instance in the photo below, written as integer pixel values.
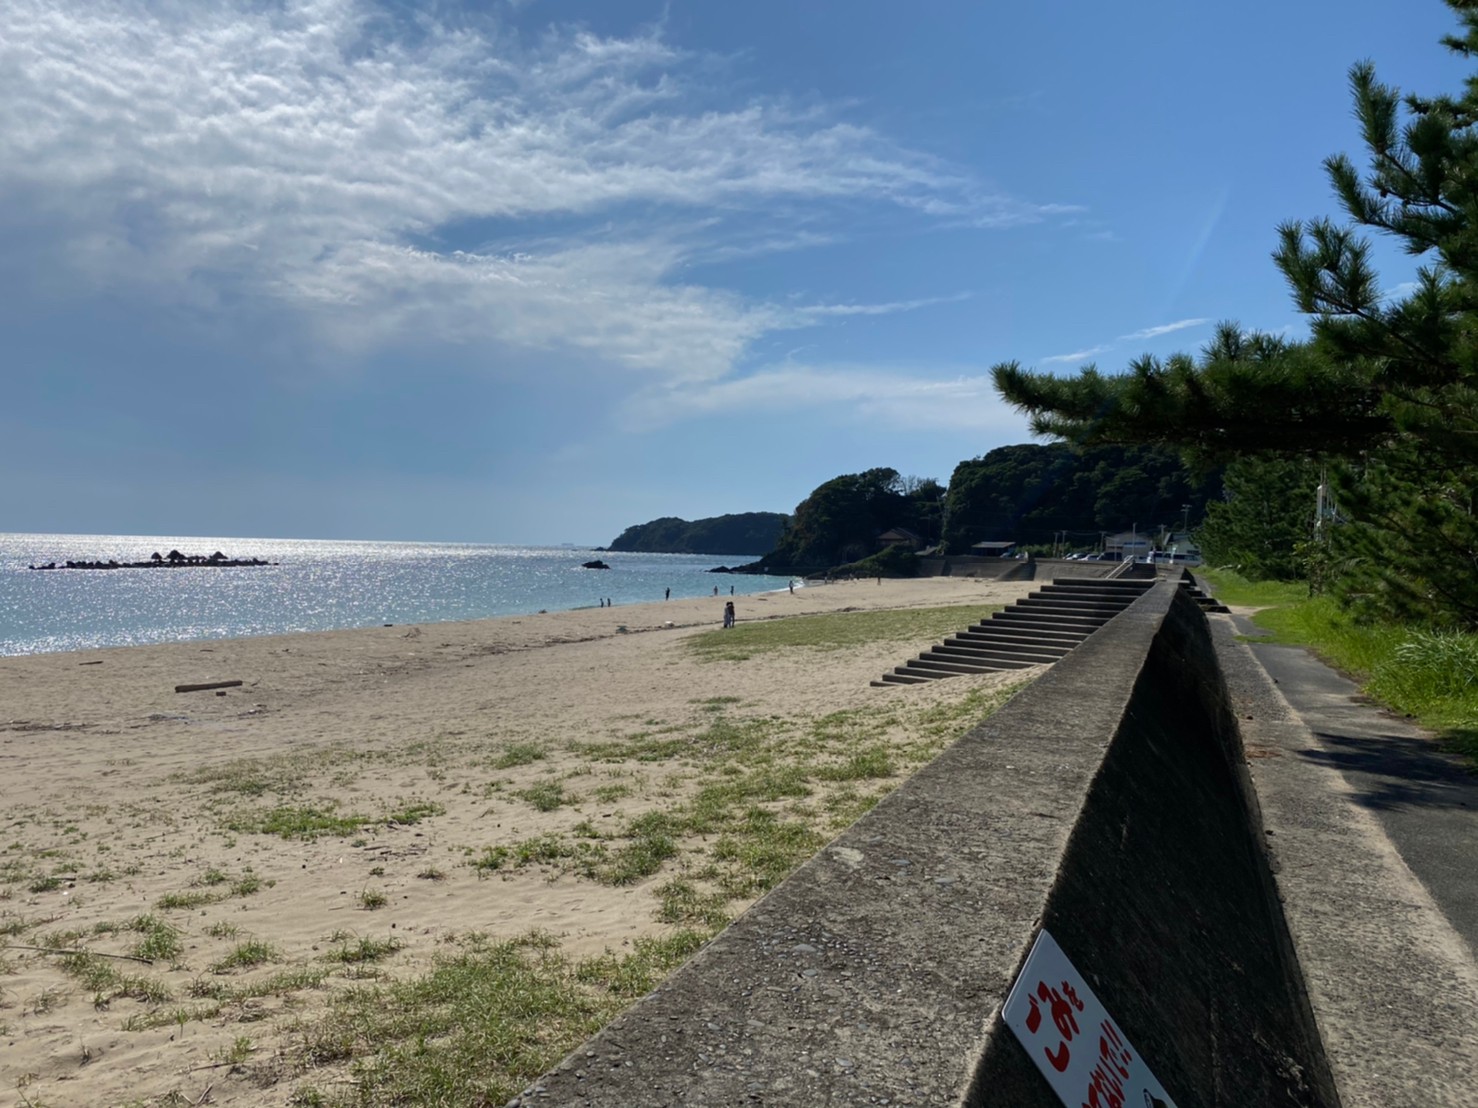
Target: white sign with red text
(1080, 1050)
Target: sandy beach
(229, 862)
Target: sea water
(315, 585)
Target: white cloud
(308, 155)
(1163, 329)
(1075, 356)
(821, 311)
(1133, 336)
(886, 398)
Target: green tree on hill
(841, 520)
(1029, 492)
(741, 533)
(1386, 388)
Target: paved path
(1425, 800)
(1373, 835)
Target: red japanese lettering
(1111, 1058)
(1034, 1017)
(1104, 1091)
(1060, 1059)
(1062, 1012)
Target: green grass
(1232, 588)
(547, 850)
(414, 812)
(1431, 675)
(247, 884)
(159, 942)
(246, 955)
(282, 774)
(546, 796)
(682, 902)
(519, 754)
(196, 899)
(833, 631)
(305, 822)
(481, 1024)
(107, 982)
(354, 950)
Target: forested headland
(741, 533)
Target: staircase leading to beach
(1035, 630)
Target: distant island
(173, 560)
(744, 533)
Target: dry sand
(117, 795)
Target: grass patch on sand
(414, 811)
(282, 774)
(107, 982)
(246, 955)
(546, 796)
(520, 754)
(357, 949)
(481, 1024)
(306, 822)
(769, 793)
(834, 631)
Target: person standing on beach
(667, 595)
(729, 614)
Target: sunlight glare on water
(313, 585)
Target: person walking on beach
(792, 586)
(729, 614)
(667, 595)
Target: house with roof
(899, 536)
(1127, 544)
(994, 548)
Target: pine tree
(1386, 386)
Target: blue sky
(536, 271)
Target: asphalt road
(1425, 800)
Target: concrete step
(989, 656)
(1122, 583)
(1112, 589)
(931, 664)
(898, 679)
(1034, 646)
(1047, 620)
(1007, 630)
(1204, 601)
(1111, 596)
(1036, 630)
(1106, 608)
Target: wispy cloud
(1075, 356)
(904, 398)
(1163, 329)
(313, 156)
(1132, 336)
(823, 310)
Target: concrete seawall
(1109, 802)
